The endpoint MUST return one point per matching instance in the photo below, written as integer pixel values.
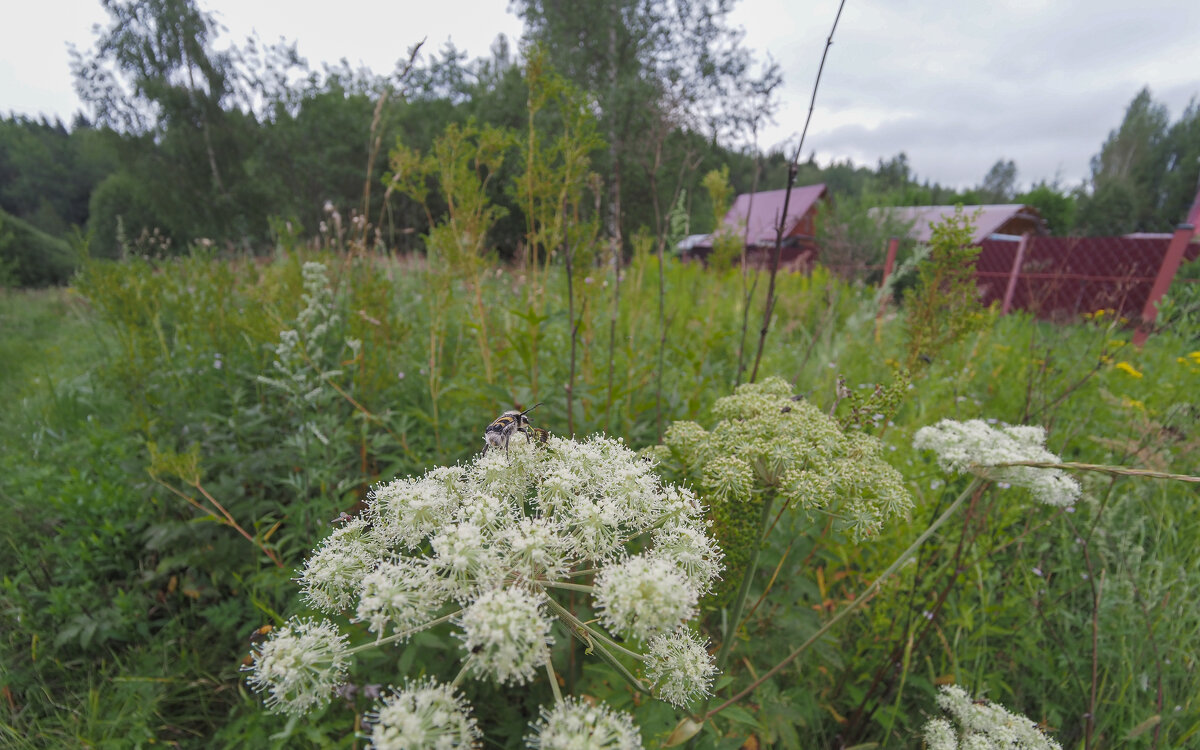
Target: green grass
(124, 611)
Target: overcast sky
(955, 84)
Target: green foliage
(726, 242)
(944, 305)
(30, 257)
(1179, 308)
(1055, 206)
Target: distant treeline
(183, 142)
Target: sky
(955, 84)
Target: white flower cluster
(300, 666)
(578, 724)
(975, 446)
(769, 441)
(422, 715)
(491, 547)
(982, 725)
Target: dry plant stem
(574, 330)
(858, 602)
(662, 339)
(614, 310)
(1104, 469)
(229, 520)
(793, 167)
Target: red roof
(768, 205)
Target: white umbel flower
(983, 725)
(643, 597)
(692, 551)
(679, 667)
(577, 725)
(974, 446)
(331, 576)
(406, 511)
(505, 636)
(401, 593)
(465, 558)
(299, 666)
(424, 715)
(536, 548)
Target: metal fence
(1063, 277)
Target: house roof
(987, 221)
(762, 219)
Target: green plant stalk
(735, 616)
(403, 634)
(858, 602)
(575, 622)
(578, 629)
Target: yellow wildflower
(1128, 368)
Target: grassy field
(168, 458)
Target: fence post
(1166, 272)
(1014, 273)
(888, 265)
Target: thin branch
(793, 167)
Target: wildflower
(691, 551)
(506, 636)
(422, 715)
(300, 666)
(400, 593)
(976, 447)
(643, 597)
(577, 724)
(679, 667)
(332, 575)
(981, 724)
(1128, 369)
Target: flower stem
(575, 622)
(558, 699)
(458, 678)
(568, 586)
(403, 634)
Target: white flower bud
(401, 593)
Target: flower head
(577, 724)
(505, 635)
(679, 667)
(643, 597)
(982, 725)
(975, 446)
(422, 715)
(402, 593)
(332, 575)
(300, 666)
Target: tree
(654, 66)
(1056, 207)
(1000, 183)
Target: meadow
(179, 434)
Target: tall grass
(126, 609)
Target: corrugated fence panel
(1068, 276)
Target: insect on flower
(499, 432)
